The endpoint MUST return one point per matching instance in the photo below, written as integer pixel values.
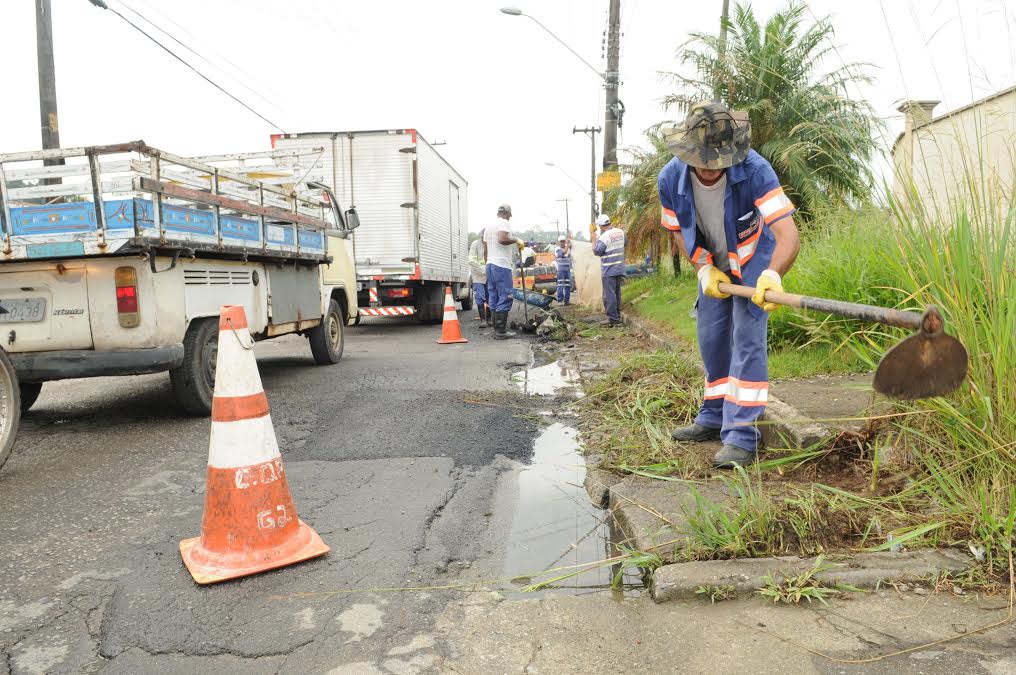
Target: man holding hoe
(727, 213)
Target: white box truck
(116, 261)
(412, 205)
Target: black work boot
(695, 433)
(489, 316)
(482, 311)
(501, 331)
(730, 456)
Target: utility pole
(723, 28)
(49, 122)
(592, 131)
(612, 79)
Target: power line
(195, 52)
(102, 5)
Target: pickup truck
(116, 259)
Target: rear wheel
(29, 394)
(194, 379)
(10, 407)
(327, 339)
(467, 302)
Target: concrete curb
(744, 577)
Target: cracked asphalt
(107, 478)
(405, 458)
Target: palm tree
(819, 140)
(636, 203)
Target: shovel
(926, 364)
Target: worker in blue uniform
(610, 247)
(563, 260)
(728, 214)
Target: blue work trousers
(480, 293)
(732, 341)
(499, 288)
(564, 286)
(612, 296)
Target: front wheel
(194, 379)
(327, 339)
(10, 407)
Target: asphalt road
(107, 477)
(412, 461)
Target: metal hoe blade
(928, 363)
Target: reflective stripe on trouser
(564, 286)
(732, 341)
(612, 296)
(480, 293)
(499, 288)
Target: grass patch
(804, 586)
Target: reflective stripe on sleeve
(773, 205)
(669, 220)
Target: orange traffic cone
(250, 524)
(451, 331)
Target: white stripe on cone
(242, 443)
(236, 370)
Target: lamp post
(611, 78)
(570, 177)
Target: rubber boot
(490, 316)
(501, 331)
(482, 311)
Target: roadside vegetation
(925, 473)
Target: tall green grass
(966, 445)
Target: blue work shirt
(754, 201)
(610, 247)
(563, 261)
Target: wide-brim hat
(711, 137)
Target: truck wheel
(10, 407)
(194, 379)
(29, 394)
(467, 302)
(327, 339)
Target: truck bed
(131, 198)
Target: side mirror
(352, 219)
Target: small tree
(818, 139)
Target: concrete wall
(972, 148)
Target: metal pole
(612, 79)
(49, 122)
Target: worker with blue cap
(563, 261)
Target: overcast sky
(499, 91)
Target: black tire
(467, 302)
(10, 407)
(327, 340)
(194, 379)
(29, 394)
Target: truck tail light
(397, 293)
(127, 297)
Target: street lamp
(515, 11)
(570, 177)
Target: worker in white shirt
(499, 251)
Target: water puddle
(548, 380)
(555, 525)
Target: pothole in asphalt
(549, 380)
(556, 528)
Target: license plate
(22, 310)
